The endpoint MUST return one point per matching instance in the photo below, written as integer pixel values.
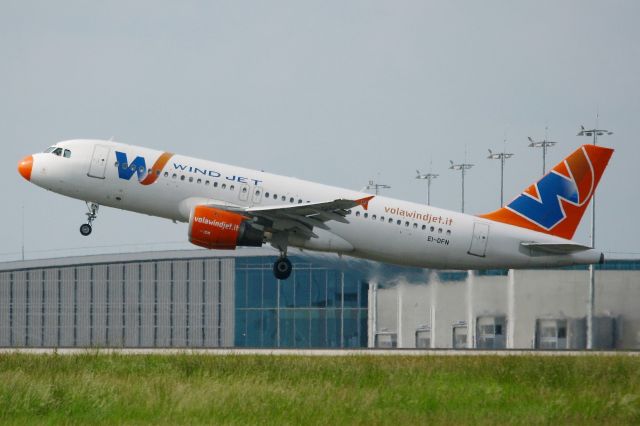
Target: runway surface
(314, 352)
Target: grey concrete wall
(168, 303)
(537, 294)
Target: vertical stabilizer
(555, 204)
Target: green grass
(190, 389)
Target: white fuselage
(391, 230)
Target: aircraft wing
(565, 248)
(302, 218)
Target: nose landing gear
(92, 214)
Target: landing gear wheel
(282, 268)
(85, 229)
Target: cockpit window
(50, 149)
(67, 153)
(57, 151)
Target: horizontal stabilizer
(552, 248)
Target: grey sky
(331, 91)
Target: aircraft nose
(25, 165)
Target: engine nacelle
(219, 229)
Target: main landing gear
(283, 267)
(92, 214)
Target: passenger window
(399, 222)
(448, 231)
(275, 196)
(224, 186)
(439, 230)
(158, 172)
(206, 183)
(381, 218)
(366, 215)
(291, 200)
(424, 227)
(141, 169)
(373, 217)
(124, 166)
(266, 194)
(299, 201)
(181, 177)
(406, 224)
(390, 220)
(199, 180)
(173, 176)
(415, 226)
(244, 190)
(116, 164)
(67, 153)
(258, 192)
(166, 174)
(432, 229)
(231, 188)
(357, 213)
(215, 184)
(191, 179)
(284, 198)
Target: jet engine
(223, 230)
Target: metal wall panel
(99, 312)
(212, 280)
(196, 305)
(164, 305)
(226, 324)
(180, 303)
(84, 306)
(20, 307)
(67, 307)
(5, 308)
(115, 305)
(132, 305)
(35, 314)
(52, 307)
(181, 271)
(148, 304)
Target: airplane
(227, 207)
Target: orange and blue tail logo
(555, 204)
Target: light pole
(544, 144)
(428, 177)
(462, 167)
(376, 186)
(592, 278)
(502, 156)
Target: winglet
(364, 202)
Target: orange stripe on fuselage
(153, 174)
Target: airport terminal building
(202, 299)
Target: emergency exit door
(479, 239)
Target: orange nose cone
(25, 166)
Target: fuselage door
(99, 161)
(479, 239)
(244, 192)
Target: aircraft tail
(555, 204)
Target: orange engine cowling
(219, 229)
